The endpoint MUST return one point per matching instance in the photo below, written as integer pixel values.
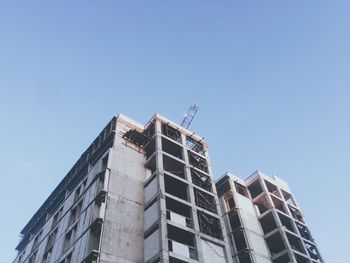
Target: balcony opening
(172, 148)
(32, 258)
(244, 257)
(275, 243)
(268, 223)
(262, 204)
(209, 225)
(57, 217)
(272, 188)
(286, 222)
(201, 180)
(151, 165)
(150, 129)
(150, 148)
(47, 256)
(171, 132)
(198, 161)
(301, 259)
(304, 231)
(75, 213)
(288, 197)
(240, 240)
(313, 252)
(230, 203)
(241, 189)
(94, 237)
(234, 219)
(295, 243)
(181, 242)
(255, 188)
(176, 187)
(178, 212)
(278, 204)
(282, 259)
(176, 260)
(69, 238)
(223, 186)
(296, 214)
(36, 240)
(175, 167)
(51, 239)
(195, 145)
(205, 201)
(136, 137)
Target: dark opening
(209, 225)
(272, 188)
(150, 130)
(295, 243)
(304, 231)
(198, 161)
(176, 260)
(241, 189)
(173, 166)
(288, 197)
(240, 240)
(172, 148)
(301, 259)
(296, 214)
(230, 203)
(223, 186)
(179, 208)
(255, 188)
(151, 164)
(278, 204)
(175, 187)
(195, 145)
(313, 251)
(150, 148)
(184, 237)
(286, 222)
(136, 137)
(244, 257)
(171, 132)
(200, 179)
(275, 243)
(234, 219)
(205, 201)
(282, 259)
(268, 223)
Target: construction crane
(189, 115)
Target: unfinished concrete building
(264, 222)
(137, 194)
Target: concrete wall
(122, 238)
(151, 215)
(152, 245)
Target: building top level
(257, 174)
(135, 130)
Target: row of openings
(176, 150)
(180, 189)
(177, 168)
(182, 214)
(73, 220)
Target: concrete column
(162, 205)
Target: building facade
(139, 193)
(264, 222)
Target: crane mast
(189, 115)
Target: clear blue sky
(271, 77)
